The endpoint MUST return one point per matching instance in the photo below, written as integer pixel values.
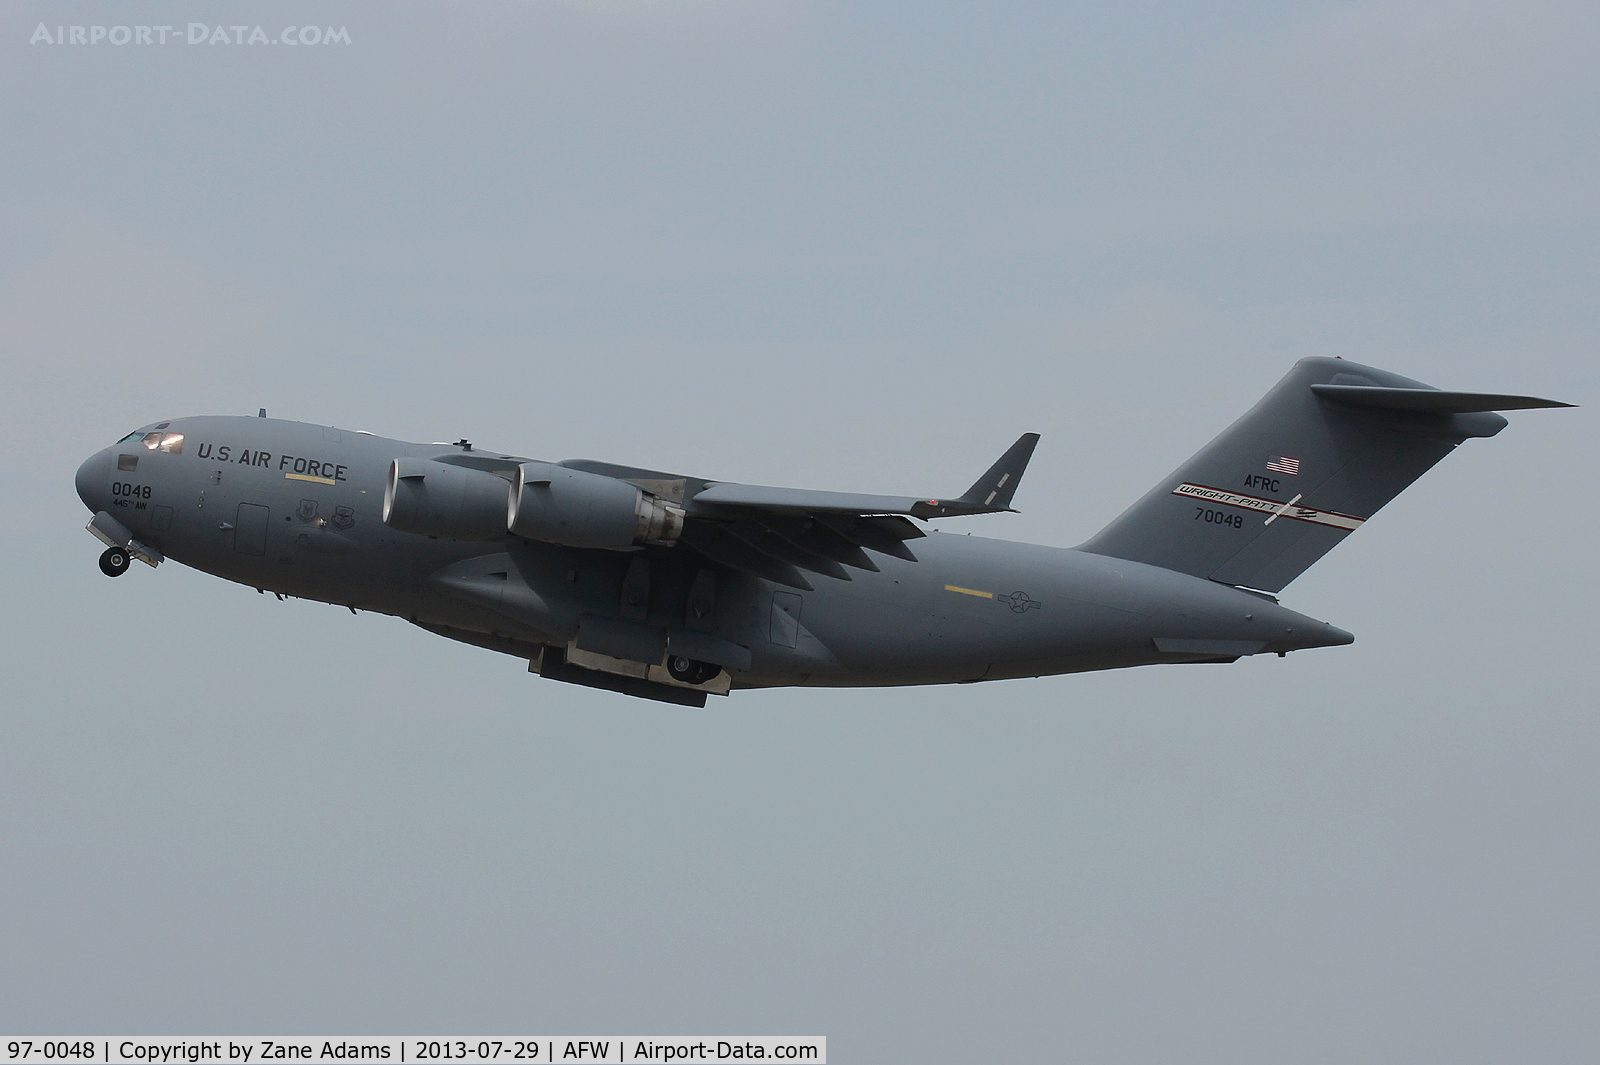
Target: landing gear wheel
(688, 671)
(114, 563)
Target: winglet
(995, 488)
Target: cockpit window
(155, 440)
(170, 443)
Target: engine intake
(558, 505)
(448, 502)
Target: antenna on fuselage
(263, 413)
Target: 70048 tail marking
(1271, 507)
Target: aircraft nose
(90, 481)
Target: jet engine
(576, 508)
(444, 501)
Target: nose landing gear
(121, 547)
(114, 561)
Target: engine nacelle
(445, 501)
(557, 505)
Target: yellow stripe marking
(969, 591)
(308, 477)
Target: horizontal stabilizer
(1431, 400)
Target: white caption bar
(536, 1050)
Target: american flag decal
(1284, 464)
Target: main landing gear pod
(688, 671)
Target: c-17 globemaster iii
(672, 587)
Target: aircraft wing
(782, 533)
(778, 532)
(807, 501)
(990, 494)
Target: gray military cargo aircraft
(670, 587)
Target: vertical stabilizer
(1317, 456)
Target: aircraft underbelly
(978, 609)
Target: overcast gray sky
(838, 246)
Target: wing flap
(885, 535)
(811, 535)
(770, 543)
(719, 546)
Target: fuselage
(297, 509)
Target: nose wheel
(114, 562)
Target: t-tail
(1317, 456)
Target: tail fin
(1317, 456)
